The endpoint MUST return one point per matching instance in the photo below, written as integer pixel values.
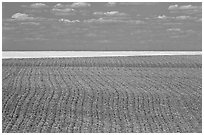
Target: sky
(107, 26)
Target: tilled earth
(114, 94)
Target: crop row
(101, 99)
(139, 61)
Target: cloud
(80, 4)
(174, 29)
(111, 4)
(68, 21)
(188, 9)
(113, 20)
(172, 7)
(21, 16)
(183, 7)
(58, 5)
(63, 12)
(5, 28)
(137, 3)
(162, 17)
(110, 13)
(184, 18)
(199, 20)
(38, 5)
(27, 18)
(30, 23)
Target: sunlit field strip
(47, 54)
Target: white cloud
(80, 4)
(38, 5)
(188, 9)
(110, 13)
(162, 17)
(183, 17)
(21, 16)
(63, 12)
(98, 13)
(114, 13)
(172, 7)
(111, 4)
(30, 23)
(199, 20)
(58, 5)
(137, 3)
(174, 29)
(113, 20)
(68, 21)
(182, 7)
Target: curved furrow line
(192, 116)
(186, 116)
(94, 115)
(97, 104)
(24, 104)
(6, 72)
(148, 86)
(127, 101)
(53, 103)
(126, 90)
(12, 91)
(106, 121)
(17, 115)
(174, 88)
(59, 124)
(82, 101)
(44, 122)
(147, 112)
(7, 90)
(159, 117)
(179, 120)
(12, 72)
(95, 83)
(85, 108)
(189, 117)
(194, 101)
(117, 123)
(180, 123)
(76, 110)
(152, 114)
(97, 79)
(43, 94)
(72, 106)
(38, 105)
(190, 89)
(11, 104)
(155, 113)
(27, 103)
(31, 101)
(67, 103)
(195, 86)
(163, 113)
(56, 127)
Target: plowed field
(113, 94)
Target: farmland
(114, 94)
